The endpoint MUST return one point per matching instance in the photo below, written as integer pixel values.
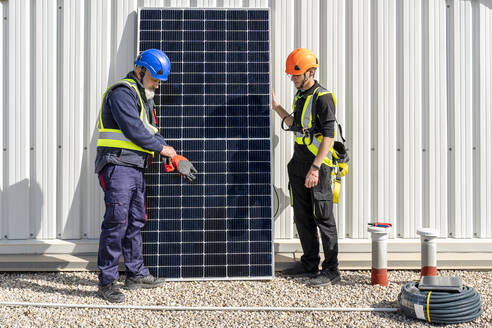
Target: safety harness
(115, 137)
(306, 133)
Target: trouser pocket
(291, 195)
(322, 195)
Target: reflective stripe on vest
(115, 137)
(307, 122)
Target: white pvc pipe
(198, 308)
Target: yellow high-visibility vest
(115, 137)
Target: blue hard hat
(156, 62)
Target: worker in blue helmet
(128, 139)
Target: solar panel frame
(154, 261)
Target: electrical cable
(278, 201)
(440, 307)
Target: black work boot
(299, 270)
(326, 277)
(111, 293)
(143, 282)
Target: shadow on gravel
(51, 284)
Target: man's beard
(149, 94)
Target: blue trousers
(124, 195)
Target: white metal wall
(413, 82)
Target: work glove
(184, 167)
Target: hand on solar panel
(184, 166)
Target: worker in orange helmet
(313, 122)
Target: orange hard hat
(299, 61)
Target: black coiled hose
(440, 307)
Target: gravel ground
(354, 291)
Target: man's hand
(274, 101)
(312, 178)
(168, 151)
(184, 166)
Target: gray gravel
(354, 291)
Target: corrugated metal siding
(413, 82)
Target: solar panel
(215, 110)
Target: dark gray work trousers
(313, 210)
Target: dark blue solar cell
(237, 259)
(237, 15)
(193, 144)
(260, 212)
(215, 179)
(211, 190)
(193, 260)
(215, 46)
(192, 213)
(215, 100)
(144, 45)
(192, 272)
(211, 248)
(259, 88)
(236, 133)
(191, 56)
(261, 235)
(236, 100)
(171, 122)
(215, 212)
(193, 67)
(169, 225)
(211, 224)
(172, 14)
(237, 167)
(237, 25)
(215, 156)
(193, 78)
(192, 236)
(258, 36)
(258, 57)
(261, 258)
(152, 225)
(258, 121)
(237, 235)
(260, 270)
(238, 271)
(215, 25)
(261, 247)
(150, 25)
(235, 121)
(215, 145)
(177, 67)
(237, 189)
(260, 224)
(236, 36)
(171, 35)
(188, 122)
(193, 36)
(189, 190)
(235, 201)
(174, 56)
(214, 14)
(259, 200)
(169, 237)
(215, 67)
(193, 201)
(258, 15)
(215, 35)
(193, 25)
(172, 46)
(214, 78)
(151, 260)
(233, 45)
(211, 57)
(238, 223)
(259, 46)
(215, 88)
(191, 248)
(169, 272)
(237, 78)
(258, 78)
(259, 132)
(169, 248)
(194, 133)
(237, 247)
(259, 110)
(192, 111)
(151, 236)
(237, 67)
(169, 260)
(237, 156)
(260, 189)
(259, 156)
(169, 201)
(259, 167)
(216, 271)
(194, 14)
(237, 144)
(197, 89)
(169, 213)
(150, 36)
(235, 110)
(215, 201)
(237, 89)
(150, 14)
(258, 67)
(175, 78)
(258, 25)
(193, 45)
(215, 236)
(193, 100)
(259, 178)
(259, 99)
(237, 57)
(175, 25)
